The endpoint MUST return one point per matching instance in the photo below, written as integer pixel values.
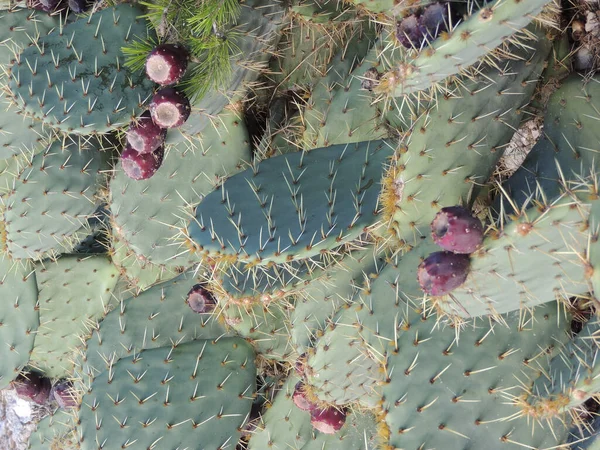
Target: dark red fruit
(200, 300)
(327, 420)
(144, 135)
(456, 230)
(63, 394)
(141, 166)
(167, 63)
(300, 400)
(79, 6)
(169, 108)
(434, 20)
(417, 31)
(410, 33)
(34, 387)
(442, 272)
(49, 6)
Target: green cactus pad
(318, 302)
(74, 293)
(20, 134)
(244, 285)
(346, 364)
(452, 389)
(307, 48)
(454, 146)
(564, 153)
(54, 429)
(292, 206)
(155, 318)
(78, 83)
(572, 378)
(148, 215)
(141, 273)
(483, 31)
(193, 394)
(19, 317)
(52, 197)
(264, 326)
(22, 28)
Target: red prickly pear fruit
(201, 300)
(328, 420)
(167, 63)
(63, 394)
(141, 166)
(34, 387)
(169, 108)
(456, 230)
(442, 272)
(410, 33)
(435, 20)
(300, 400)
(144, 135)
(49, 6)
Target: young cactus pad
(292, 206)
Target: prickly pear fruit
(34, 387)
(456, 230)
(141, 166)
(328, 420)
(409, 32)
(79, 6)
(144, 135)
(169, 108)
(442, 272)
(300, 400)
(48, 6)
(435, 19)
(200, 300)
(167, 63)
(62, 393)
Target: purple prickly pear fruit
(200, 300)
(442, 272)
(169, 108)
(327, 420)
(49, 6)
(434, 20)
(144, 135)
(141, 166)
(167, 63)
(79, 6)
(410, 32)
(456, 230)
(34, 387)
(300, 400)
(63, 395)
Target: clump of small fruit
(459, 234)
(169, 108)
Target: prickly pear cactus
(273, 273)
